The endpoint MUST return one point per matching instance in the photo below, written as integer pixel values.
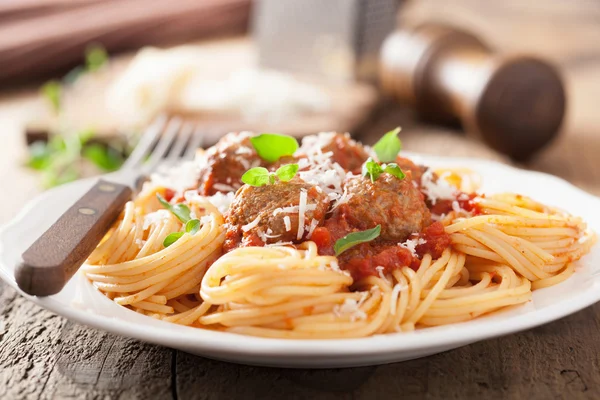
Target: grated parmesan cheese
(379, 269)
(288, 223)
(222, 201)
(155, 217)
(301, 213)
(224, 188)
(411, 245)
(293, 209)
(313, 225)
(349, 307)
(252, 224)
(438, 189)
(395, 293)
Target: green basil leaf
(192, 226)
(95, 57)
(395, 170)
(181, 211)
(272, 146)
(371, 169)
(388, 147)
(287, 172)
(52, 91)
(354, 238)
(40, 156)
(104, 157)
(172, 238)
(257, 176)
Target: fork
(50, 262)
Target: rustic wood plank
(44, 356)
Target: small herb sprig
(354, 238)
(63, 157)
(183, 213)
(372, 169)
(259, 176)
(388, 147)
(272, 146)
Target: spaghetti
(295, 289)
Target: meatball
(349, 154)
(395, 204)
(415, 170)
(223, 164)
(260, 212)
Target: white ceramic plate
(80, 302)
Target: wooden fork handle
(55, 257)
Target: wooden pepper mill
(514, 104)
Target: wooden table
(45, 356)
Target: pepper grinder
(515, 104)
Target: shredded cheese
(224, 188)
(395, 293)
(301, 213)
(411, 245)
(313, 225)
(288, 223)
(252, 224)
(436, 188)
(349, 307)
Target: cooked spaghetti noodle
(496, 257)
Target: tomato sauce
(465, 201)
(362, 260)
(436, 240)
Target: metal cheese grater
(335, 39)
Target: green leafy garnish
(372, 170)
(181, 211)
(172, 238)
(52, 92)
(192, 226)
(259, 176)
(354, 238)
(287, 172)
(272, 146)
(395, 170)
(95, 57)
(388, 147)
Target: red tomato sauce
(465, 201)
(362, 260)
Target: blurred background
(515, 81)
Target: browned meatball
(271, 204)
(223, 164)
(349, 154)
(395, 204)
(415, 170)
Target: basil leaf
(104, 157)
(95, 57)
(52, 91)
(395, 170)
(257, 176)
(354, 238)
(272, 146)
(181, 211)
(388, 147)
(371, 169)
(287, 172)
(40, 156)
(192, 226)
(172, 238)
